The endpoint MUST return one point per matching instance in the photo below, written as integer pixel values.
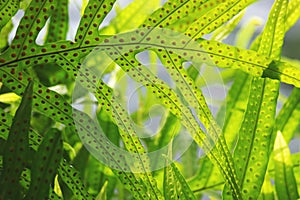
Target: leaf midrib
(155, 45)
(253, 133)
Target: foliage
(65, 132)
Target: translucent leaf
(208, 177)
(195, 10)
(94, 13)
(215, 17)
(175, 186)
(288, 118)
(102, 193)
(267, 191)
(130, 17)
(9, 98)
(222, 32)
(285, 183)
(8, 9)
(257, 125)
(171, 100)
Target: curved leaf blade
(16, 149)
(285, 183)
(44, 166)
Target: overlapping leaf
(7, 11)
(45, 163)
(284, 170)
(16, 150)
(259, 118)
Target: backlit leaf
(285, 183)
(257, 125)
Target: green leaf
(231, 113)
(171, 100)
(171, 12)
(208, 177)
(58, 26)
(267, 191)
(293, 13)
(130, 17)
(288, 118)
(34, 141)
(195, 99)
(175, 186)
(285, 183)
(25, 182)
(4, 35)
(72, 179)
(44, 166)
(189, 13)
(16, 150)
(222, 32)
(257, 125)
(215, 17)
(8, 9)
(94, 13)
(102, 193)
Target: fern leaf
(34, 138)
(171, 12)
(215, 17)
(71, 177)
(267, 191)
(222, 32)
(130, 17)
(285, 182)
(68, 173)
(175, 186)
(289, 116)
(8, 9)
(293, 13)
(259, 118)
(195, 99)
(94, 14)
(16, 149)
(27, 32)
(199, 9)
(207, 177)
(58, 26)
(44, 166)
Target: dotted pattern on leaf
(71, 177)
(5, 123)
(175, 184)
(45, 163)
(203, 7)
(171, 12)
(217, 16)
(94, 13)
(16, 149)
(128, 63)
(7, 11)
(274, 31)
(31, 24)
(58, 26)
(108, 102)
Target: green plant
(51, 149)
